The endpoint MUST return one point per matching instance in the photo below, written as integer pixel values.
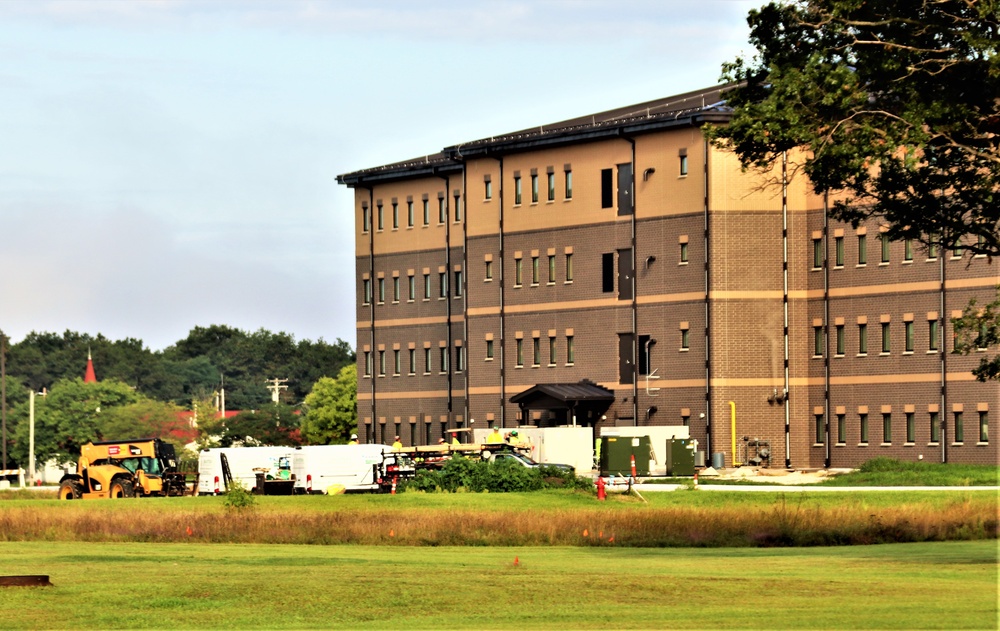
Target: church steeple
(89, 376)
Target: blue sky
(168, 164)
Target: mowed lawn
(947, 585)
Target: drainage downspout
(784, 296)
(447, 288)
(635, 298)
(826, 327)
(708, 313)
(943, 346)
(371, 301)
(503, 338)
(465, 291)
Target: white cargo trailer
(355, 467)
(242, 462)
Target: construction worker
(514, 440)
(354, 439)
(454, 439)
(495, 437)
(396, 445)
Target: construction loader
(124, 468)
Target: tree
(895, 103)
(270, 425)
(331, 408)
(979, 328)
(892, 106)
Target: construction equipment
(124, 468)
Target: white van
(355, 467)
(242, 462)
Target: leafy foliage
(239, 499)
(478, 476)
(275, 424)
(331, 408)
(979, 328)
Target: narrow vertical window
(381, 363)
(884, 242)
(412, 287)
(366, 220)
(534, 188)
(935, 422)
(684, 252)
(607, 188)
(413, 361)
(409, 213)
(442, 210)
(570, 351)
(459, 359)
(841, 429)
(908, 337)
(817, 253)
(381, 218)
(367, 291)
(886, 340)
(427, 212)
(862, 339)
(959, 428)
(886, 428)
(368, 363)
(395, 216)
(685, 339)
(569, 268)
(984, 427)
(396, 362)
(820, 433)
(458, 208)
(443, 351)
(395, 289)
(519, 359)
(932, 247)
(862, 249)
(381, 290)
(427, 361)
(817, 341)
(838, 248)
(488, 189)
(536, 351)
(552, 351)
(957, 251)
(427, 286)
(569, 183)
(552, 186)
(489, 349)
(683, 165)
(518, 273)
(489, 270)
(458, 284)
(911, 430)
(908, 249)
(840, 339)
(534, 270)
(443, 284)
(863, 426)
(552, 268)
(932, 335)
(517, 189)
(608, 272)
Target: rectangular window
(820, 434)
(840, 339)
(608, 272)
(459, 359)
(841, 429)
(443, 352)
(517, 189)
(552, 186)
(413, 361)
(536, 352)
(886, 345)
(552, 351)
(886, 428)
(570, 352)
(534, 188)
(442, 210)
(396, 363)
(862, 339)
(817, 253)
(520, 353)
(381, 290)
(607, 188)
(862, 249)
(911, 430)
(932, 248)
(626, 358)
(427, 361)
(381, 363)
(908, 334)
(838, 248)
(489, 349)
(409, 213)
(367, 291)
(959, 428)
(645, 346)
(625, 275)
(534, 270)
(427, 286)
(381, 218)
(488, 193)
(489, 270)
(685, 339)
(957, 251)
(443, 284)
(884, 242)
(984, 427)
(368, 363)
(458, 284)
(684, 165)
(863, 425)
(908, 249)
(395, 216)
(427, 212)
(684, 253)
(518, 273)
(366, 220)
(458, 208)
(569, 268)
(395, 289)
(569, 184)
(817, 341)
(411, 283)
(552, 268)
(932, 335)
(935, 427)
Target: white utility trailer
(355, 467)
(242, 462)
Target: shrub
(238, 498)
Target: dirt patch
(778, 476)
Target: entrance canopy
(580, 403)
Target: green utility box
(617, 453)
(680, 456)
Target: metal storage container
(680, 456)
(617, 453)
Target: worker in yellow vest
(514, 439)
(495, 437)
(354, 439)
(454, 440)
(396, 445)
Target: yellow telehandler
(124, 468)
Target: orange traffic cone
(392, 533)
(516, 561)
(189, 531)
(586, 533)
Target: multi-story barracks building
(616, 269)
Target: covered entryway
(580, 403)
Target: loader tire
(121, 488)
(70, 490)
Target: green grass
(169, 586)
(890, 472)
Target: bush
(238, 498)
(505, 476)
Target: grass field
(188, 586)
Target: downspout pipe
(635, 299)
(447, 290)
(784, 299)
(465, 290)
(826, 328)
(370, 435)
(943, 350)
(708, 307)
(501, 270)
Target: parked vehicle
(513, 455)
(124, 468)
(354, 467)
(242, 461)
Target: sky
(166, 164)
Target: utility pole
(276, 386)
(3, 393)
